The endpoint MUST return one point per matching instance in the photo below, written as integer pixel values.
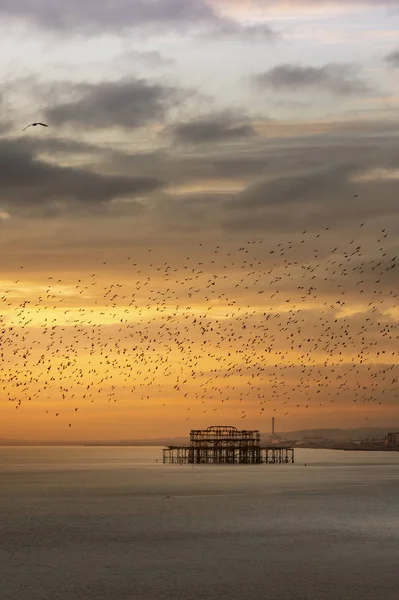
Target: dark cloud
(393, 58)
(145, 16)
(278, 173)
(212, 129)
(307, 187)
(335, 78)
(33, 186)
(274, 157)
(312, 201)
(290, 183)
(125, 103)
(302, 180)
(319, 186)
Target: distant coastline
(362, 438)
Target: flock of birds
(256, 329)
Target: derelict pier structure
(222, 444)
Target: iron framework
(223, 444)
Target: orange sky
(152, 342)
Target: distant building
(392, 440)
(223, 444)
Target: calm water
(93, 524)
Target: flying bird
(34, 125)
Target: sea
(114, 523)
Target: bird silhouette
(34, 125)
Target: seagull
(169, 498)
(34, 125)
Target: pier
(223, 444)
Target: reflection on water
(93, 523)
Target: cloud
(125, 103)
(5, 123)
(33, 186)
(393, 58)
(312, 200)
(337, 79)
(289, 6)
(225, 28)
(146, 16)
(264, 184)
(372, 175)
(212, 129)
(5, 127)
(308, 183)
(60, 146)
(306, 188)
(149, 58)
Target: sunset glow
(207, 230)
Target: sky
(206, 232)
